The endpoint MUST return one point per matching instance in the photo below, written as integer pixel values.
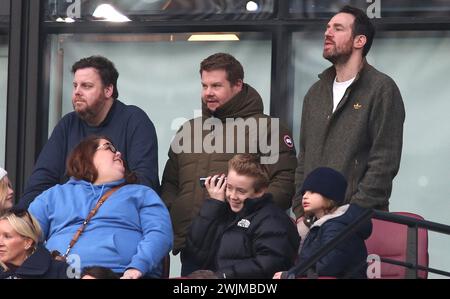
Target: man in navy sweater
(96, 111)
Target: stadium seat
(389, 240)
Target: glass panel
(374, 8)
(158, 73)
(141, 10)
(4, 37)
(418, 62)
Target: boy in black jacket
(240, 232)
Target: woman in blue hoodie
(323, 197)
(131, 232)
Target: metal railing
(412, 244)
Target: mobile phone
(202, 181)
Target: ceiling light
(107, 12)
(251, 6)
(212, 37)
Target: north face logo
(243, 223)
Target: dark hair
(224, 61)
(249, 165)
(361, 26)
(330, 206)
(105, 68)
(80, 163)
(99, 272)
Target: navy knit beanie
(327, 182)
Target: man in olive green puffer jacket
(232, 122)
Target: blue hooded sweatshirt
(132, 229)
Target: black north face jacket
(255, 243)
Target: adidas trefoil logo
(357, 106)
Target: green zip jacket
(362, 138)
(181, 189)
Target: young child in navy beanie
(323, 198)
(323, 191)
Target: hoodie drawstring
(93, 191)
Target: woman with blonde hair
(21, 256)
(6, 192)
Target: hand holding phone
(215, 186)
(203, 180)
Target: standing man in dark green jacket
(352, 118)
(232, 122)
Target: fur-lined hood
(346, 214)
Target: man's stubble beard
(340, 58)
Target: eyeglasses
(107, 146)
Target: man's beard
(87, 115)
(341, 57)
(338, 58)
(90, 113)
